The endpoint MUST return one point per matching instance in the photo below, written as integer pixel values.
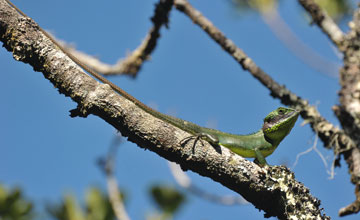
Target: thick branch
(273, 189)
(324, 21)
(348, 112)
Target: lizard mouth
(280, 121)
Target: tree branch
(272, 189)
(184, 181)
(348, 112)
(107, 165)
(132, 64)
(325, 22)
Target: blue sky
(48, 153)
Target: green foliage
(13, 205)
(337, 9)
(68, 209)
(254, 5)
(167, 198)
(97, 207)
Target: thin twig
(134, 60)
(184, 181)
(325, 22)
(312, 148)
(303, 153)
(112, 184)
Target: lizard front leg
(260, 157)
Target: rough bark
(348, 111)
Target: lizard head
(278, 124)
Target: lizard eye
(281, 111)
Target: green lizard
(277, 124)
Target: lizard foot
(196, 139)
